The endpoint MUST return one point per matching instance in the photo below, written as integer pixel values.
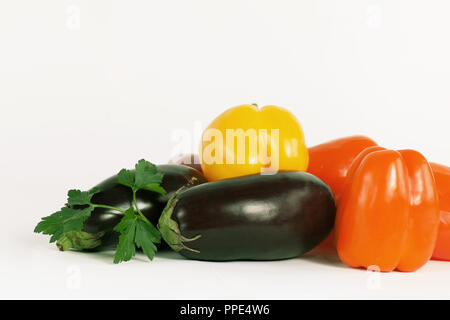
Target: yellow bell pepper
(247, 140)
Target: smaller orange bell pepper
(330, 161)
(388, 214)
(442, 178)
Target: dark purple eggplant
(257, 217)
(98, 229)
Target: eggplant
(98, 230)
(257, 217)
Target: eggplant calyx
(170, 231)
(79, 240)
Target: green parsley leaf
(146, 173)
(77, 197)
(155, 187)
(146, 176)
(62, 222)
(146, 236)
(151, 232)
(127, 227)
(135, 231)
(126, 178)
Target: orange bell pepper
(331, 162)
(442, 177)
(389, 211)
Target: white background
(89, 87)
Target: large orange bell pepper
(331, 162)
(389, 211)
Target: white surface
(80, 102)
(40, 271)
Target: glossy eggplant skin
(257, 217)
(150, 203)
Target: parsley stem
(137, 208)
(107, 207)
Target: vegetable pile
(256, 192)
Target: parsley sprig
(134, 228)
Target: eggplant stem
(184, 239)
(191, 181)
(169, 228)
(173, 203)
(189, 249)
